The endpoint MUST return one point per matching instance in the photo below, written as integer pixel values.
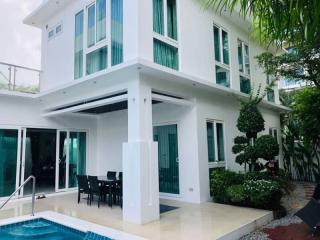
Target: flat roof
(44, 11)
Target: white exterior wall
(195, 40)
(112, 132)
(215, 107)
(27, 113)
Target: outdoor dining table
(111, 182)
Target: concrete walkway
(189, 221)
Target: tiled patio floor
(189, 221)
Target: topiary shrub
(220, 181)
(237, 195)
(250, 120)
(267, 147)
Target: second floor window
(78, 55)
(270, 92)
(165, 18)
(244, 67)
(221, 56)
(96, 24)
(92, 47)
(165, 45)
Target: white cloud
(19, 43)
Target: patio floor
(189, 221)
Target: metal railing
(19, 78)
(19, 188)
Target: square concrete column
(140, 159)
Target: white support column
(140, 159)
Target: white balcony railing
(19, 78)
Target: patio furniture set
(107, 188)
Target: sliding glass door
(61, 162)
(167, 138)
(77, 157)
(9, 147)
(71, 158)
(54, 157)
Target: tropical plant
(251, 122)
(300, 64)
(294, 22)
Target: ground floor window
(215, 141)
(274, 133)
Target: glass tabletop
(107, 179)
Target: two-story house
(149, 88)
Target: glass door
(9, 159)
(62, 159)
(71, 158)
(167, 138)
(77, 157)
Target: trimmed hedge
(254, 189)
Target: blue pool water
(45, 230)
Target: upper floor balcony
(19, 78)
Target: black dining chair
(118, 192)
(111, 174)
(95, 189)
(83, 186)
(120, 176)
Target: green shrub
(264, 194)
(281, 178)
(236, 194)
(267, 147)
(220, 181)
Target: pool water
(44, 229)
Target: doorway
(167, 138)
(40, 159)
(71, 158)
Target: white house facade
(147, 88)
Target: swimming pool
(51, 225)
(41, 228)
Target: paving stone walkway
(287, 227)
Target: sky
(20, 44)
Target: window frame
(165, 38)
(245, 73)
(216, 162)
(98, 44)
(221, 63)
(272, 131)
(269, 79)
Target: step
(36, 225)
(31, 233)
